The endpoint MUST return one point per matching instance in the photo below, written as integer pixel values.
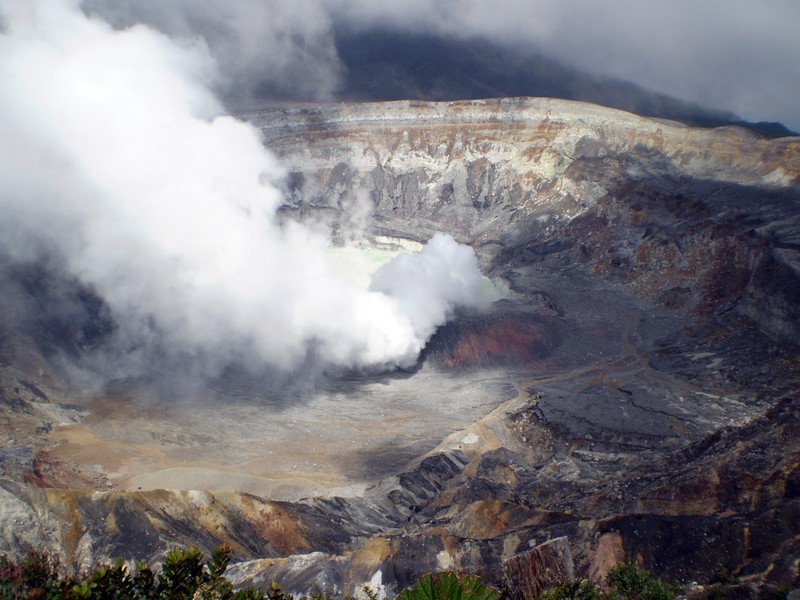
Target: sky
(733, 55)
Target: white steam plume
(430, 284)
(115, 157)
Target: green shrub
(579, 589)
(114, 583)
(35, 576)
(183, 576)
(449, 586)
(630, 580)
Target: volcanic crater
(634, 387)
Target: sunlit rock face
(633, 387)
(650, 203)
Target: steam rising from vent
(118, 160)
(430, 284)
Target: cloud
(277, 48)
(119, 162)
(734, 55)
(727, 54)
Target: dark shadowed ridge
(384, 64)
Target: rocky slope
(649, 203)
(649, 334)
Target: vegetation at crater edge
(184, 575)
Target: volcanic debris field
(633, 387)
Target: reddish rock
(546, 566)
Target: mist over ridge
(702, 63)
